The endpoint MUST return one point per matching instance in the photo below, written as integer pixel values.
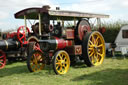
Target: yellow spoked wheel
(61, 62)
(35, 61)
(93, 48)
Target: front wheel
(2, 59)
(35, 61)
(61, 62)
(93, 48)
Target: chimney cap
(46, 7)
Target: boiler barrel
(54, 44)
(9, 44)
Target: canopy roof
(32, 13)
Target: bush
(112, 30)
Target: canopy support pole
(74, 21)
(62, 23)
(25, 22)
(99, 22)
(39, 24)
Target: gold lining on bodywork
(56, 44)
(6, 44)
(17, 44)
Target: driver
(35, 28)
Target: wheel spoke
(1, 63)
(64, 66)
(65, 59)
(60, 68)
(98, 59)
(21, 33)
(32, 65)
(97, 40)
(57, 67)
(95, 57)
(93, 39)
(60, 57)
(58, 63)
(90, 48)
(91, 54)
(35, 59)
(91, 42)
(22, 37)
(92, 59)
(1, 60)
(1, 56)
(57, 59)
(101, 45)
(100, 54)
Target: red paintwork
(11, 35)
(70, 34)
(61, 43)
(22, 38)
(36, 45)
(2, 59)
(82, 30)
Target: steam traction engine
(52, 43)
(12, 45)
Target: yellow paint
(36, 62)
(62, 62)
(96, 48)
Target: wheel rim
(21, 34)
(37, 62)
(2, 59)
(96, 48)
(62, 63)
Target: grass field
(111, 72)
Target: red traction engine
(11, 45)
(53, 43)
(60, 49)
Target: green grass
(111, 72)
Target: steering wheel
(21, 34)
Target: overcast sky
(117, 9)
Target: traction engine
(12, 45)
(58, 44)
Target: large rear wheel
(35, 61)
(93, 48)
(61, 62)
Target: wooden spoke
(101, 45)
(91, 42)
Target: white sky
(117, 9)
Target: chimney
(47, 7)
